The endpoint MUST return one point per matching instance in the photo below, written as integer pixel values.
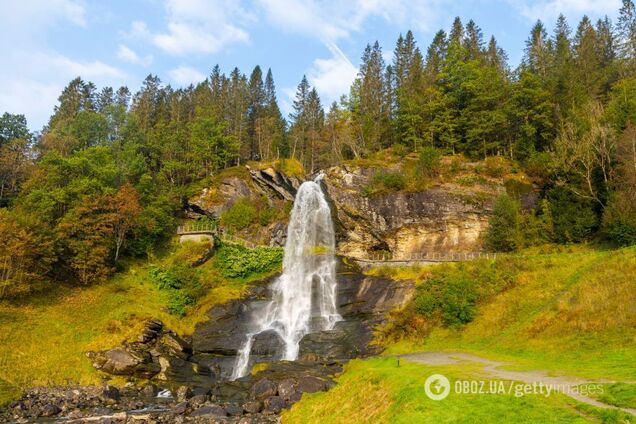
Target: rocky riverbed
(174, 379)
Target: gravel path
(492, 369)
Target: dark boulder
(253, 406)
(111, 392)
(267, 344)
(263, 389)
(273, 405)
(49, 410)
(209, 411)
(287, 388)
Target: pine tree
(586, 59)
(255, 108)
(299, 119)
(435, 55)
(538, 50)
(473, 41)
(372, 113)
(627, 30)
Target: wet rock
(253, 407)
(267, 344)
(197, 400)
(273, 405)
(183, 393)
(233, 409)
(224, 334)
(49, 410)
(348, 339)
(180, 408)
(287, 388)
(263, 389)
(311, 384)
(149, 391)
(211, 411)
(111, 392)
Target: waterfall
(304, 296)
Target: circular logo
(437, 387)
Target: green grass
(618, 394)
(44, 338)
(378, 391)
(571, 313)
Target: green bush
(452, 292)
(504, 232)
(619, 220)
(239, 262)
(400, 150)
(181, 282)
(496, 166)
(575, 218)
(240, 215)
(392, 181)
(266, 215)
(429, 161)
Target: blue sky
(46, 43)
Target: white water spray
(304, 296)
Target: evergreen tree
(372, 113)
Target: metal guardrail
(195, 228)
(428, 257)
(225, 238)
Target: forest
(109, 173)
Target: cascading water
(304, 296)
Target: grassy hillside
(379, 391)
(43, 339)
(571, 313)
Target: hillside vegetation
(44, 338)
(569, 313)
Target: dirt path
(492, 369)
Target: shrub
(392, 181)
(240, 215)
(451, 293)
(575, 219)
(239, 262)
(429, 161)
(182, 283)
(266, 215)
(400, 150)
(619, 220)
(292, 167)
(504, 234)
(496, 166)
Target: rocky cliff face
(447, 216)
(443, 218)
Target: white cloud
(34, 14)
(199, 26)
(185, 75)
(331, 20)
(548, 10)
(332, 77)
(127, 54)
(138, 30)
(34, 90)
